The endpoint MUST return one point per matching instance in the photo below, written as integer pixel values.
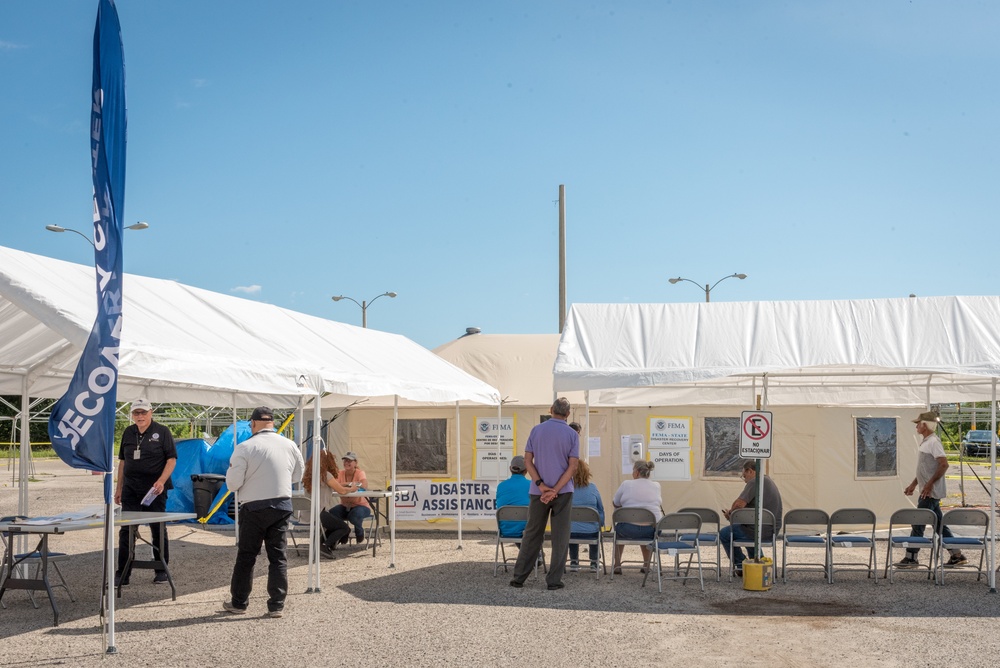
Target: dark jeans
(574, 549)
(918, 529)
(556, 513)
(131, 501)
(355, 516)
(266, 526)
(736, 532)
(334, 528)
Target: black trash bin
(205, 486)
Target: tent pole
(458, 451)
(759, 466)
(496, 483)
(236, 495)
(317, 453)
(25, 436)
(993, 490)
(586, 426)
(392, 499)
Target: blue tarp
(196, 456)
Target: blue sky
(288, 152)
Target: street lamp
(141, 225)
(708, 289)
(364, 304)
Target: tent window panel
(422, 446)
(875, 447)
(722, 447)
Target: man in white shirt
(262, 469)
(931, 466)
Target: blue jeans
(574, 549)
(355, 516)
(918, 529)
(738, 532)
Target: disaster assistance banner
(439, 499)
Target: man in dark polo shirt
(145, 461)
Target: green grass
(36, 453)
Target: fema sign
(755, 434)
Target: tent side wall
(813, 461)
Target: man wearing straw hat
(931, 466)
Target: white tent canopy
(885, 352)
(184, 344)
(876, 352)
(181, 343)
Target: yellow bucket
(757, 575)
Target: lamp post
(365, 304)
(141, 225)
(708, 289)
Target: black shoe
(556, 585)
(327, 551)
(120, 581)
(345, 540)
(516, 584)
(359, 538)
(738, 572)
(161, 578)
(908, 562)
(275, 613)
(956, 561)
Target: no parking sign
(755, 434)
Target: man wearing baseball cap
(931, 466)
(263, 469)
(146, 459)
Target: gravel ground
(441, 606)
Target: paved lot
(441, 606)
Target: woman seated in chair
(585, 495)
(639, 492)
(335, 529)
(353, 510)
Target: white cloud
(9, 46)
(247, 289)
(199, 83)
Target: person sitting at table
(585, 495)
(639, 492)
(356, 509)
(335, 529)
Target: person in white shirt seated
(639, 492)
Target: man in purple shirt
(551, 455)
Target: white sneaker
(574, 568)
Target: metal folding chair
(34, 558)
(641, 516)
(966, 518)
(300, 505)
(805, 528)
(708, 535)
(746, 516)
(677, 534)
(853, 519)
(906, 518)
(511, 514)
(590, 515)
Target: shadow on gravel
(472, 583)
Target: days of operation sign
(755, 434)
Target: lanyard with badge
(138, 447)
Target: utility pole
(562, 257)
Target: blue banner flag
(82, 424)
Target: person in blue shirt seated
(585, 495)
(513, 492)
